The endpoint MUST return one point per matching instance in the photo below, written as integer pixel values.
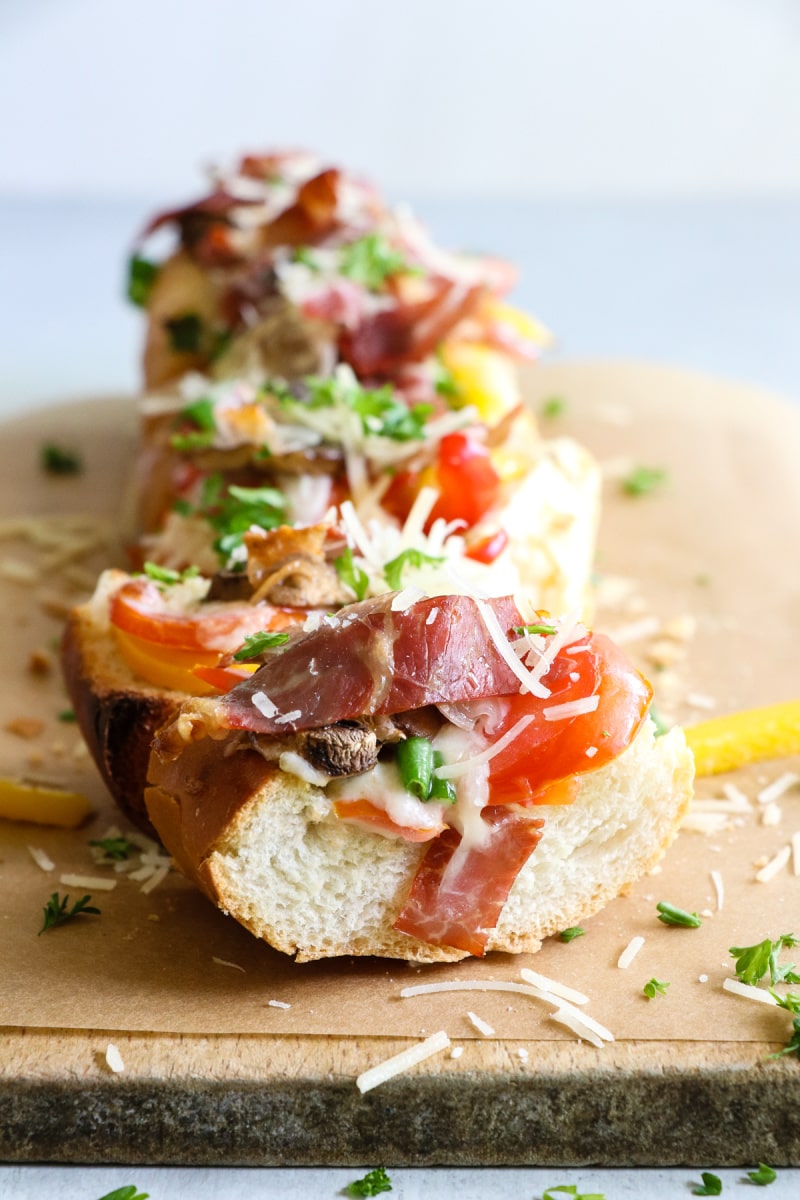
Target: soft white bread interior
(267, 848)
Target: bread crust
(267, 848)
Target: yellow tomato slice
(484, 377)
(725, 743)
(42, 805)
(521, 322)
(166, 667)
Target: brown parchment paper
(718, 541)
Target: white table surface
(713, 285)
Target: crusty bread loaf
(267, 848)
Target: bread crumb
(114, 1059)
(457, 1051)
(681, 628)
(153, 917)
(40, 662)
(702, 979)
(25, 727)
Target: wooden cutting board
(214, 1074)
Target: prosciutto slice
(369, 660)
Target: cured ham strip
(370, 660)
(461, 910)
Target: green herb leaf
(570, 1189)
(668, 914)
(130, 1192)
(201, 415)
(256, 643)
(115, 847)
(56, 911)
(658, 721)
(542, 628)
(351, 574)
(305, 255)
(711, 1186)
(381, 414)
(393, 570)
(753, 962)
(57, 460)
(655, 987)
(642, 480)
(791, 1002)
(371, 260)
(141, 276)
(185, 333)
(67, 715)
(372, 1184)
(167, 576)
(763, 1176)
(552, 407)
(231, 511)
(444, 381)
(569, 935)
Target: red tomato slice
(139, 608)
(224, 679)
(468, 483)
(489, 548)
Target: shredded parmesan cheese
(629, 953)
(567, 1017)
(747, 991)
(771, 815)
(406, 598)
(157, 878)
(457, 1051)
(278, 1004)
(223, 962)
(403, 1061)
(262, 702)
(95, 882)
(114, 1059)
(778, 787)
(571, 708)
(552, 985)
(774, 866)
(41, 859)
(482, 1026)
(472, 985)
(294, 764)
(719, 888)
(453, 770)
(285, 718)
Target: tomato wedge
(464, 476)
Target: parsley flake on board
(642, 480)
(763, 1176)
(655, 987)
(67, 715)
(370, 260)
(256, 643)
(570, 1189)
(668, 914)
(711, 1185)
(552, 407)
(141, 277)
(393, 570)
(569, 935)
(57, 460)
(114, 847)
(351, 574)
(57, 913)
(791, 1002)
(127, 1192)
(372, 1184)
(753, 962)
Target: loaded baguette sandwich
(420, 778)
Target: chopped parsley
(185, 333)
(141, 277)
(305, 255)
(256, 643)
(655, 987)
(128, 1192)
(668, 914)
(372, 1184)
(642, 480)
(232, 510)
(56, 911)
(542, 628)
(371, 260)
(351, 574)
(569, 935)
(711, 1185)
(199, 414)
(67, 715)
(658, 721)
(380, 412)
(552, 407)
(570, 1189)
(753, 962)
(763, 1176)
(57, 460)
(444, 382)
(393, 570)
(791, 1002)
(167, 576)
(118, 848)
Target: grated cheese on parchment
(40, 857)
(94, 882)
(403, 1061)
(629, 953)
(774, 866)
(482, 1026)
(114, 1059)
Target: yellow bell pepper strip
(725, 743)
(42, 805)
